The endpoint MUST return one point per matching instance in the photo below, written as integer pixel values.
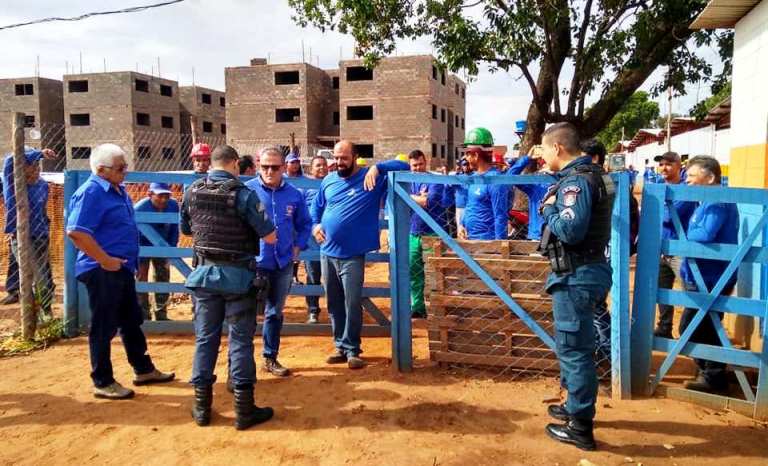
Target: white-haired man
(101, 224)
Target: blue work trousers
(279, 286)
(574, 308)
(211, 309)
(343, 280)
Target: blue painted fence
(77, 312)
(748, 255)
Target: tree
(661, 121)
(638, 112)
(700, 110)
(608, 47)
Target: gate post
(646, 286)
(399, 278)
(619, 247)
(71, 318)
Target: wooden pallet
(468, 325)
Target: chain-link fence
(471, 328)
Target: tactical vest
(219, 232)
(603, 192)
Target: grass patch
(46, 334)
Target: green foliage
(700, 110)
(637, 113)
(46, 334)
(661, 121)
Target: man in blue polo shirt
(285, 205)
(710, 223)
(435, 199)
(102, 226)
(37, 193)
(345, 215)
(158, 200)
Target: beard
(344, 172)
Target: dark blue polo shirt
(105, 213)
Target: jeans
(12, 275)
(416, 262)
(162, 274)
(279, 286)
(314, 277)
(211, 309)
(669, 269)
(41, 264)
(574, 308)
(343, 280)
(714, 372)
(112, 299)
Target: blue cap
(292, 158)
(32, 155)
(159, 188)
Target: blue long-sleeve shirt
(37, 194)
(535, 193)
(168, 231)
(438, 200)
(684, 211)
(349, 214)
(227, 279)
(287, 208)
(711, 223)
(568, 219)
(486, 215)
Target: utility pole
(23, 245)
(669, 118)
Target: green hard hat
(479, 137)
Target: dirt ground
(330, 415)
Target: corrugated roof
(723, 13)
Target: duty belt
(242, 263)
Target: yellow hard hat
(362, 162)
(401, 157)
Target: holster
(553, 249)
(260, 290)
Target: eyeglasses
(119, 168)
(267, 168)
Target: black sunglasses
(267, 168)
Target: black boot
(201, 411)
(246, 413)
(558, 412)
(575, 432)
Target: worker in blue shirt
(345, 215)
(227, 221)
(37, 195)
(432, 198)
(670, 166)
(318, 169)
(102, 227)
(286, 207)
(535, 192)
(710, 223)
(158, 200)
(578, 228)
(486, 215)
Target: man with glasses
(285, 205)
(101, 225)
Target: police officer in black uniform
(226, 220)
(577, 213)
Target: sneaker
(274, 367)
(354, 362)
(11, 298)
(337, 358)
(114, 391)
(701, 384)
(153, 377)
(312, 318)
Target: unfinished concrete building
(136, 111)
(404, 103)
(207, 108)
(41, 100)
(268, 104)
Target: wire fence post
(399, 220)
(23, 244)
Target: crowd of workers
(247, 238)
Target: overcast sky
(208, 35)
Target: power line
(134, 9)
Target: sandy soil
(330, 415)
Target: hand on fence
(112, 264)
(49, 154)
(370, 178)
(318, 233)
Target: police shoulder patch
(567, 214)
(570, 194)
